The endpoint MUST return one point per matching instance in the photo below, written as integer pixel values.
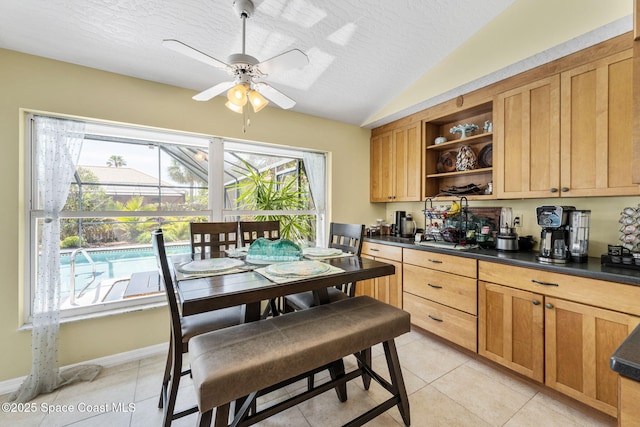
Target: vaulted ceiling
(362, 54)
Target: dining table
(248, 288)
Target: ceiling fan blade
(187, 50)
(294, 58)
(213, 91)
(274, 95)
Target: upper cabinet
(440, 159)
(568, 135)
(396, 165)
(596, 125)
(527, 135)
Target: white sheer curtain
(57, 147)
(315, 166)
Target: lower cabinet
(510, 329)
(387, 289)
(440, 292)
(629, 410)
(526, 325)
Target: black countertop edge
(626, 359)
(592, 269)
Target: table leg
(251, 312)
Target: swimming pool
(110, 264)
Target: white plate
(321, 251)
(298, 268)
(212, 265)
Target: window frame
(215, 212)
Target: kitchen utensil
(407, 226)
(579, 235)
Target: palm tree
(182, 175)
(116, 161)
(261, 191)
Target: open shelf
(458, 173)
(470, 140)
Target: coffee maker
(397, 227)
(579, 235)
(554, 238)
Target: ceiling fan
(246, 70)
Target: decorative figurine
(464, 129)
(488, 126)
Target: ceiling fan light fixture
(237, 95)
(258, 102)
(233, 107)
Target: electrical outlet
(518, 219)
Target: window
(129, 181)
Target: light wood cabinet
(597, 128)
(527, 140)
(628, 408)
(575, 333)
(510, 328)
(579, 341)
(387, 289)
(396, 165)
(440, 292)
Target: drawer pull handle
(548, 305)
(435, 318)
(434, 286)
(374, 250)
(436, 261)
(544, 283)
(535, 302)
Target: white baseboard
(11, 385)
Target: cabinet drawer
(453, 325)
(382, 251)
(454, 291)
(449, 263)
(598, 293)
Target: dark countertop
(626, 359)
(592, 269)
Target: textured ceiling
(362, 53)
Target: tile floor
(446, 387)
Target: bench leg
(204, 419)
(336, 370)
(222, 416)
(395, 372)
(365, 355)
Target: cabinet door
(527, 140)
(510, 329)
(407, 144)
(596, 128)
(387, 289)
(580, 340)
(381, 185)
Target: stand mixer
(507, 238)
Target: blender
(579, 235)
(507, 238)
(555, 233)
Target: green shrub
(70, 242)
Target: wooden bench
(243, 360)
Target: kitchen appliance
(579, 235)
(554, 238)
(407, 226)
(507, 238)
(397, 226)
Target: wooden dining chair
(211, 237)
(348, 238)
(183, 328)
(250, 231)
